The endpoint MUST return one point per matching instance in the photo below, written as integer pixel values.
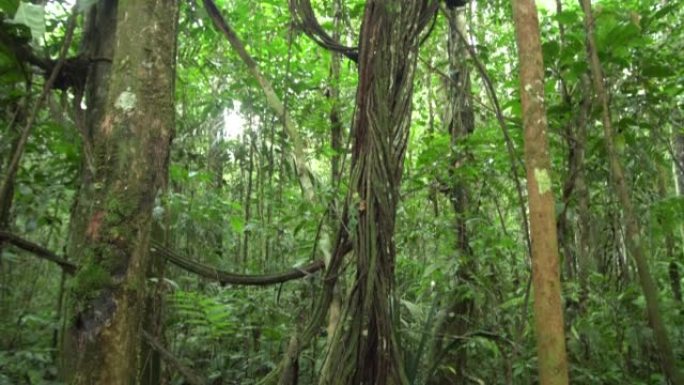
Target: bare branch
(38, 250)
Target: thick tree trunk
(548, 312)
(633, 231)
(130, 160)
(367, 350)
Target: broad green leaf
(550, 50)
(84, 5)
(32, 16)
(9, 7)
(237, 224)
(655, 70)
(413, 308)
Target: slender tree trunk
(565, 235)
(153, 319)
(434, 188)
(131, 149)
(335, 162)
(460, 122)
(6, 204)
(679, 159)
(263, 202)
(250, 139)
(675, 275)
(216, 165)
(548, 312)
(633, 231)
(367, 350)
(670, 243)
(98, 42)
(5, 218)
(584, 238)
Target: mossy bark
(130, 148)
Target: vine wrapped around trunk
(365, 348)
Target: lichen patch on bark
(543, 180)
(126, 101)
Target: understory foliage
(454, 313)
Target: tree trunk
(98, 42)
(247, 202)
(679, 159)
(336, 130)
(584, 238)
(460, 122)
(130, 161)
(670, 243)
(548, 312)
(633, 231)
(215, 166)
(367, 350)
(675, 275)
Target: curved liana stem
(305, 18)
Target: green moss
(90, 280)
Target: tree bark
(130, 161)
(548, 312)
(584, 239)
(99, 37)
(633, 231)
